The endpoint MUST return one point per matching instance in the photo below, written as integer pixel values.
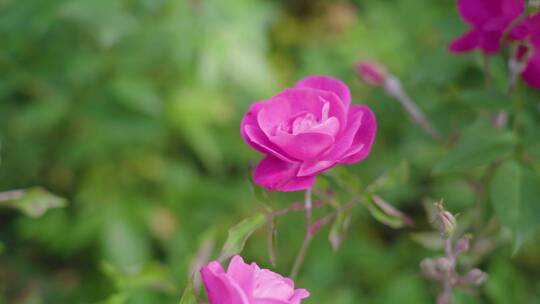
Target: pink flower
(306, 130)
(489, 20)
(248, 284)
(528, 32)
(371, 73)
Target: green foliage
(514, 192)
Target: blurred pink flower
(248, 284)
(528, 32)
(489, 20)
(306, 130)
(371, 73)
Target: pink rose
(248, 284)
(306, 130)
(489, 19)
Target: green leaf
(385, 213)
(33, 202)
(480, 144)
(188, 297)
(392, 178)
(514, 193)
(239, 234)
(150, 275)
(488, 99)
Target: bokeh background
(130, 109)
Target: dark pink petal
(241, 273)
(531, 75)
(312, 101)
(260, 142)
(325, 83)
(303, 146)
(364, 137)
(512, 8)
(275, 174)
(476, 12)
(491, 42)
(466, 43)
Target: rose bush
(489, 20)
(248, 284)
(306, 130)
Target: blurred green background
(130, 109)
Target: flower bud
(444, 265)
(429, 269)
(462, 245)
(371, 73)
(475, 277)
(444, 221)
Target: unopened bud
(429, 269)
(371, 73)
(462, 245)
(444, 265)
(475, 277)
(444, 221)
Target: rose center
(305, 122)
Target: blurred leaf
(33, 202)
(429, 239)
(480, 144)
(239, 234)
(188, 296)
(489, 99)
(151, 275)
(385, 213)
(392, 178)
(514, 193)
(123, 243)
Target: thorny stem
(308, 204)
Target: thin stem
(10, 195)
(487, 70)
(308, 204)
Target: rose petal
(259, 141)
(467, 42)
(325, 83)
(312, 101)
(242, 274)
(299, 294)
(531, 74)
(219, 287)
(303, 146)
(364, 136)
(491, 42)
(313, 167)
(275, 174)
